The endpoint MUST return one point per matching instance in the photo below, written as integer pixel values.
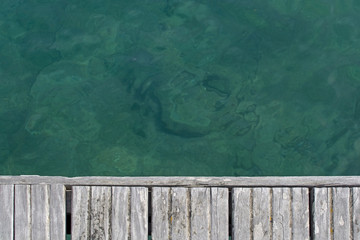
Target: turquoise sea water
(130, 88)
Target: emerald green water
(138, 88)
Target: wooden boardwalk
(40, 208)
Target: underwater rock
(217, 84)
(36, 48)
(106, 28)
(62, 103)
(60, 84)
(194, 105)
(131, 59)
(141, 57)
(116, 159)
(34, 123)
(294, 138)
(186, 107)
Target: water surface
(138, 88)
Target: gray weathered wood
(100, 213)
(261, 213)
(219, 213)
(179, 214)
(200, 214)
(57, 212)
(300, 214)
(209, 213)
(281, 211)
(6, 211)
(40, 212)
(22, 212)
(160, 213)
(120, 213)
(139, 213)
(242, 213)
(356, 212)
(80, 217)
(341, 212)
(183, 213)
(322, 219)
(188, 181)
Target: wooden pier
(179, 208)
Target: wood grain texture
(281, 209)
(300, 214)
(40, 212)
(182, 212)
(57, 212)
(242, 213)
(120, 220)
(6, 211)
(100, 212)
(219, 213)
(188, 181)
(209, 213)
(200, 214)
(179, 214)
(261, 213)
(80, 217)
(322, 208)
(356, 212)
(139, 213)
(22, 212)
(341, 212)
(160, 213)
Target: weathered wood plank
(100, 213)
(281, 211)
(6, 211)
(341, 211)
(331, 181)
(261, 213)
(242, 201)
(80, 217)
(139, 213)
(300, 214)
(200, 214)
(120, 220)
(22, 212)
(40, 212)
(160, 213)
(179, 214)
(207, 213)
(57, 212)
(344, 219)
(219, 213)
(322, 217)
(356, 212)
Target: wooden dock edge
(309, 181)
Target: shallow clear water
(128, 88)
